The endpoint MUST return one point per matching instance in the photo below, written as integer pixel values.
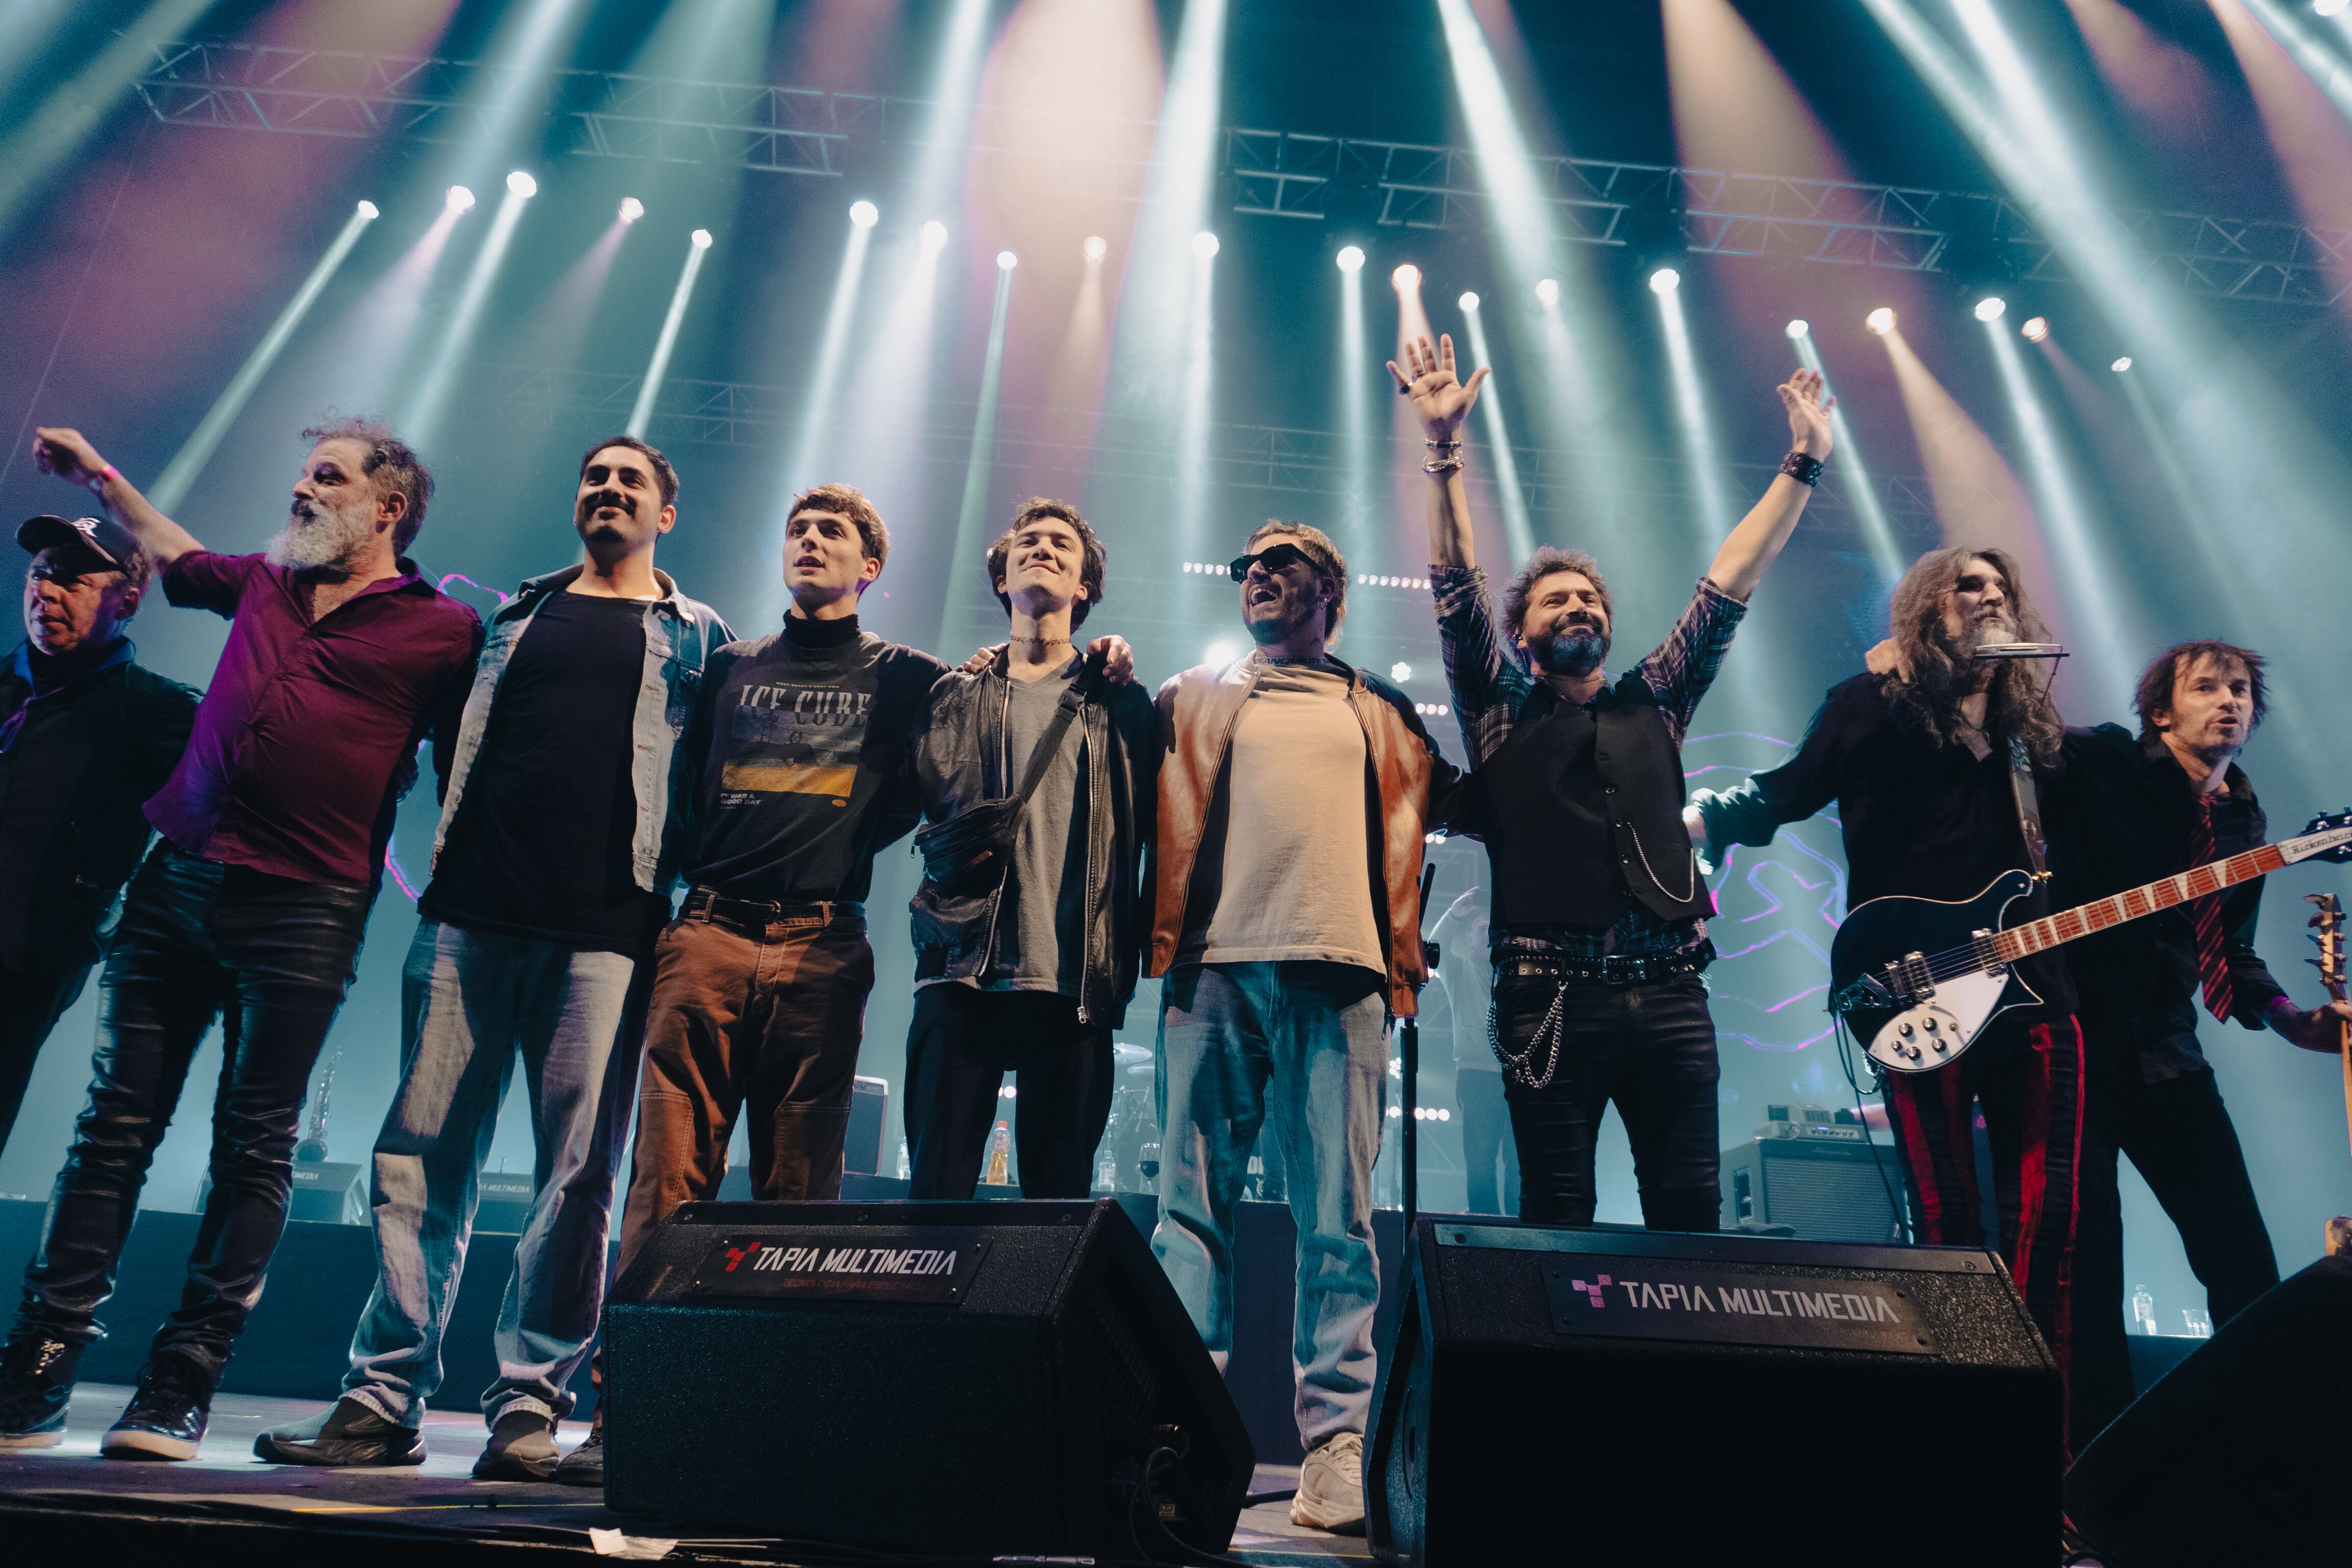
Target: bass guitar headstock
(2328, 930)
(2327, 822)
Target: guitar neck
(2083, 920)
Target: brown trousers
(770, 1015)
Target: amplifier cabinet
(1824, 1191)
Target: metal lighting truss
(1281, 173)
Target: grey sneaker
(521, 1448)
(1331, 1486)
(351, 1433)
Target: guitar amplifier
(1600, 1396)
(1824, 1187)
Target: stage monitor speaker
(976, 1378)
(2238, 1454)
(1618, 1396)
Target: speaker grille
(1841, 1199)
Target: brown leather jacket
(1416, 788)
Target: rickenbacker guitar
(1919, 980)
(2327, 922)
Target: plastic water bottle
(1106, 1175)
(999, 1156)
(2201, 1323)
(2143, 1312)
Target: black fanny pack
(970, 852)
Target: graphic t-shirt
(800, 740)
(541, 845)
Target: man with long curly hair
(1924, 769)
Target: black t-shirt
(542, 844)
(802, 739)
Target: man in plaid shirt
(1599, 920)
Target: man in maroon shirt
(339, 662)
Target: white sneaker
(1331, 1486)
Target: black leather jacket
(957, 759)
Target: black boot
(351, 1433)
(585, 1466)
(37, 1382)
(166, 1417)
(521, 1448)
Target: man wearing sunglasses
(1295, 794)
(1599, 915)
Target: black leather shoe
(521, 1448)
(351, 1433)
(166, 1417)
(37, 1382)
(585, 1466)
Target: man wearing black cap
(86, 734)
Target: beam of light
(971, 517)
(556, 332)
(1734, 107)
(1519, 532)
(706, 40)
(1191, 517)
(2323, 65)
(2309, 134)
(1853, 475)
(2155, 77)
(432, 388)
(55, 130)
(697, 247)
(2087, 580)
(514, 93)
(823, 390)
(27, 25)
(1356, 373)
(1714, 502)
(940, 144)
(172, 488)
(355, 363)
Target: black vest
(1583, 814)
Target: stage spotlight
(1006, 261)
(1548, 291)
(632, 209)
(1400, 672)
(1096, 248)
(1881, 321)
(1351, 259)
(2329, 8)
(1219, 654)
(1406, 277)
(1468, 303)
(935, 235)
(1798, 327)
(1205, 245)
(700, 239)
(369, 210)
(1989, 308)
(2121, 365)
(865, 214)
(2036, 328)
(1664, 280)
(460, 199)
(522, 184)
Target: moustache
(595, 503)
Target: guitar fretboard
(2083, 920)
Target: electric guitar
(2329, 934)
(1919, 979)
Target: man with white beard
(340, 660)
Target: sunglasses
(1274, 558)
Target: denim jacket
(680, 634)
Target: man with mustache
(560, 832)
(340, 660)
(1924, 767)
(86, 735)
(1599, 915)
(1295, 794)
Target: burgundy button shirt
(307, 736)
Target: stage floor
(226, 1481)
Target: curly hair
(2156, 681)
(1331, 566)
(850, 503)
(1544, 562)
(391, 462)
(2016, 703)
(1093, 559)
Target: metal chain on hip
(1555, 1024)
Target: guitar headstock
(2328, 930)
(2327, 822)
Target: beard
(1576, 649)
(323, 538)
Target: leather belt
(703, 904)
(1612, 968)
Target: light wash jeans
(1301, 1049)
(471, 1002)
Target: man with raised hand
(1030, 966)
(1296, 795)
(559, 841)
(87, 734)
(1599, 913)
(340, 660)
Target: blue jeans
(1300, 1049)
(471, 1002)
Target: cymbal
(1128, 1055)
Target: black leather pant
(269, 958)
(1649, 1047)
(959, 1049)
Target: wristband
(1448, 465)
(1805, 471)
(97, 481)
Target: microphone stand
(1408, 1047)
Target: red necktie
(2212, 967)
